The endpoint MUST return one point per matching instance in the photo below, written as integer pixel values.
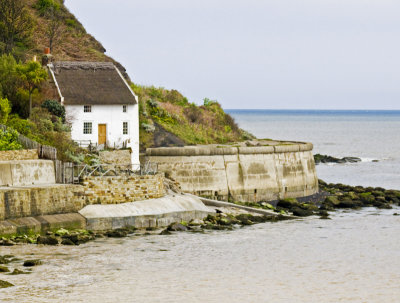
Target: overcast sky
(270, 54)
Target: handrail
(101, 170)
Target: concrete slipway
(141, 214)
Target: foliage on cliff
(205, 124)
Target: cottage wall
(111, 115)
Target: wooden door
(102, 133)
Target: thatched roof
(91, 83)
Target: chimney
(47, 57)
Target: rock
(299, 212)
(177, 227)
(347, 203)
(367, 198)
(332, 200)
(245, 219)
(6, 242)
(18, 272)
(318, 158)
(61, 232)
(395, 214)
(5, 284)
(117, 233)
(30, 263)
(288, 203)
(4, 269)
(165, 232)
(67, 241)
(47, 240)
(196, 222)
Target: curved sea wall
(264, 171)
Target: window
(87, 108)
(87, 128)
(125, 128)
(124, 108)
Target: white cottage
(99, 103)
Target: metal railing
(102, 170)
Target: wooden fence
(64, 172)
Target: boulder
(299, 212)
(67, 241)
(5, 284)
(116, 233)
(30, 263)
(47, 240)
(177, 227)
(288, 203)
(347, 203)
(4, 269)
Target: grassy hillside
(192, 124)
(166, 116)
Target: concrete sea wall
(269, 171)
(26, 172)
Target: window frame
(87, 108)
(125, 129)
(124, 108)
(87, 126)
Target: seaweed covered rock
(5, 284)
(47, 240)
(30, 263)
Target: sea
(354, 257)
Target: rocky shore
(318, 158)
(330, 198)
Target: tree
(32, 74)
(5, 110)
(8, 77)
(15, 23)
(55, 27)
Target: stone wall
(117, 157)
(241, 173)
(23, 154)
(121, 189)
(36, 201)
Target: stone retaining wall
(36, 201)
(116, 157)
(23, 154)
(241, 173)
(121, 189)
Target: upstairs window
(87, 128)
(125, 128)
(87, 108)
(124, 108)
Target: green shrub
(5, 109)
(44, 6)
(55, 108)
(9, 140)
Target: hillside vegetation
(28, 26)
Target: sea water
(354, 257)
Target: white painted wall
(111, 115)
